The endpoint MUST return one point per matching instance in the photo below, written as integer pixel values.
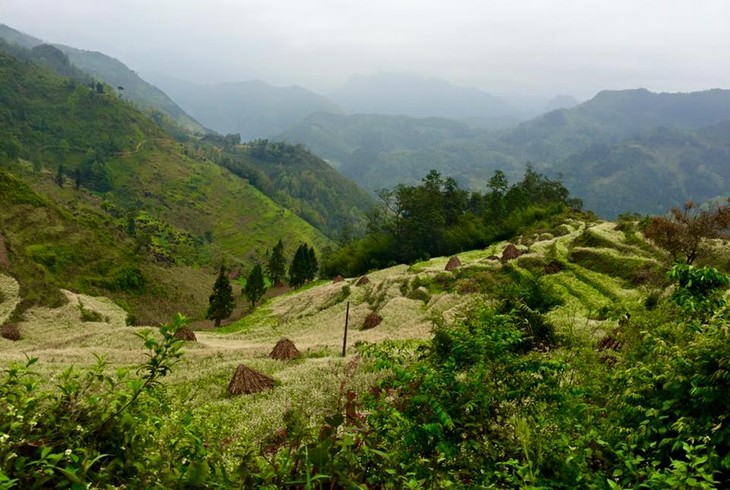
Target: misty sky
(544, 47)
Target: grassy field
(408, 298)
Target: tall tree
(59, 175)
(221, 301)
(255, 287)
(298, 266)
(276, 267)
(311, 265)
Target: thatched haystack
(553, 267)
(611, 341)
(185, 333)
(235, 273)
(362, 281)
(454, 263)
(10, 331)
(284, 350)
(337, 279)
(246, 381)
(372, 321)
(510, 253)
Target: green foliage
(302, 182)
(699, 291)
(303, 267)
(221, 302)
(438, 218)
(97, 428)
(255, 287)
(276, 267)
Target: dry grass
(313, 319)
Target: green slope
(188, 213)
(113, 72)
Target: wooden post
(344, 341)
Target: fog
(529, 47)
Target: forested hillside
(622, 151)
(110, 183)
(106, 69)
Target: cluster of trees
(302, 269)
(437, 217)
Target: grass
(313, 317)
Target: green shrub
(98, 429)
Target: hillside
(302, 182)
(114, 73)
(253, 109)
(622, 151)
(106, 177)
(379, 151)
(588, 277)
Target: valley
(528, 302)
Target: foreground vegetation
(595, 375)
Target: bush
(97, 429)
(10, 331)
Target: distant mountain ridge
(400, 95)
(253, 109)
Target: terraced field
(595, 268)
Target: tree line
(437, 217)
(301, 270)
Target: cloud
(535, 46)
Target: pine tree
(221, 301)
(311, 265)
(255, 287)
(298, 267)
(59, 175)
(276, 267)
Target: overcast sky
(544, 47)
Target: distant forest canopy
(438, 218)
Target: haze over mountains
(619, 150)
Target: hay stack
(10, 331)
(235, 273)
(510, 253)
(284, 350)
(185, 333)
(246, 380)
(337, 279)
(553, 267)
(372, 321)
(362, 281)
(454, 263)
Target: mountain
(115, 73)
(416, 97)
(379, 151)
(98, 198)
(613, 115)
(253, 109)
(624, 150)
(304, 183)
(644, 172)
